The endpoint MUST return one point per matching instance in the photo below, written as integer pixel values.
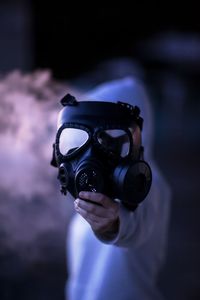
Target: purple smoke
(32, 211)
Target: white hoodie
(126, 267)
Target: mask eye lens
(72, 139)
(115, 141)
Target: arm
(112, 223)
(100, 212)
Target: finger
(90, 217)
(98, 224)
(94, 209)
(97, 198)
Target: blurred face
(137, 139)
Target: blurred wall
(16, 36)
(82, 48)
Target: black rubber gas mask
(95, 151)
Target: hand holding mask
(99, 211)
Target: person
(114, 252)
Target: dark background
(85, 44)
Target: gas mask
(95, 150)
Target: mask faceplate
(95, 150)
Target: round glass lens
(115, 141)
(72, 139)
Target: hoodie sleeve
(151, 216)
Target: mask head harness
(95, 151)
